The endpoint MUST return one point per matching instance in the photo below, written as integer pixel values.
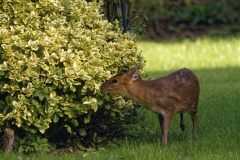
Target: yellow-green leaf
(74, 122)
(82, 132)
(87, 119)
(55, 118)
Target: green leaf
(82, 132)
(46, 149)
(41, 97)
(55, 118)
(33, 131)
(20, 149)
(1, 72)
(68, 128)
(87, 119)
(50, 109)
(44, 141)
(79, 145)
(74, 122)
(69, 114)
(107, 106)
(24, 69)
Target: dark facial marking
(114, 81)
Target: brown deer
(166, 96)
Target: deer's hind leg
(194, 121)
(182, 122)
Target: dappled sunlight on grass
(202, 53)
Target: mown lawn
(216, 62)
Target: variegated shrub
(54, 56)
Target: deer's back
(176, 92)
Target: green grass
(200, 54)
(216, 62)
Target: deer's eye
(114, 81)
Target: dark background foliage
(187, 18)
(175, 18)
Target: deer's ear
(134, 72)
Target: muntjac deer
(175, 93)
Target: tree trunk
(8, 140)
